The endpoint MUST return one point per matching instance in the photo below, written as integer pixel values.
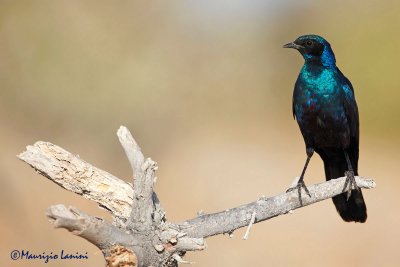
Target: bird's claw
(299, 186)
(350, 183)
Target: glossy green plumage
(325, 108)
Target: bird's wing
(350, 106)
(351, 109)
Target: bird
(326, 111)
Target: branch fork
(140, 234)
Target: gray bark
(139, 231)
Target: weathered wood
(139, 223)
(76, 175)
(229, 220)
(143, 208)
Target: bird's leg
(350, 180)
(300, 182)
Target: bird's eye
(309, 43)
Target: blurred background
(206, 89)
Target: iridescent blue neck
(327, 58)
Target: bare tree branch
(265, 208)
(132, 151)
(76, 175)
(95, 230)
(139, 225)
(142, 210)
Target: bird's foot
(299, 186)
(350, 183)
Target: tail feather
(354, 208)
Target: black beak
(293, 45)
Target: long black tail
(354, 208)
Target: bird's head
(314, 48)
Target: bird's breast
(315, 107)
(317, 91)
(318, 107)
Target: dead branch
(144, 179)
(140, 231)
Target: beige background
(206, 89)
